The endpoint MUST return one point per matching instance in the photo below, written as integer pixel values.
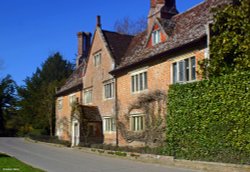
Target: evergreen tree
(38, 95)
(7, 100)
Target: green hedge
(210, 120)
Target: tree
(37, 104)
(130, 27)
(230, 40)
(7, 100)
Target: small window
(137, 122)
(88, 97)
(72, 99)
(60, 104)
(156, 37)
(139, 82)
(97, 59)
(184, 70)
(109, 124)
(109, 90)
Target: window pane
(141, 81)
(181, 71)
(109, 90)
(137, 123)
(193, 65)
(187, 70)
(174, 73)
(137, 83)
(97, 59)
(145, 81)
(106, 91)
(112, 89)
(157, 36)
(88, 97)
(133, 83)
(134, 123)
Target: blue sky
(31, 30)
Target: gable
(98, 70)
(156, 35)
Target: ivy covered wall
(210, 120)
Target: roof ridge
(188, 10)
(122, 34)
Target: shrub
(121, 153)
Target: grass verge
(8, 163)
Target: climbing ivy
(210, 120)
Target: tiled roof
(73, 82)
(118, 43)
(183, 29)
(91, 113)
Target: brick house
(120, 67)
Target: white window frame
(90, 91)
(109, 124)
(135, 124)
(112, 90)
(186, 76)
(97, 59)
(156, 37)
(136, 85)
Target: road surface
(60, 159)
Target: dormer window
(156, 37)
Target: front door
(75, 133)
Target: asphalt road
(56, 159)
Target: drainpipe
(116, 113)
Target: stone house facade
(119, 68)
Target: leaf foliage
(209, 120)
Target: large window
(156, 37)
(137, 122)
(88, 97)
(109, 90)
(139, 82)
(97, 59)
(184, 70)
(108, 124)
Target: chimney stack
(84, 42)
(98, 21)
(161, 9)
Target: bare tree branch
(130, 27)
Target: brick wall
(159, 77)
(63, 116)
(95, 78)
